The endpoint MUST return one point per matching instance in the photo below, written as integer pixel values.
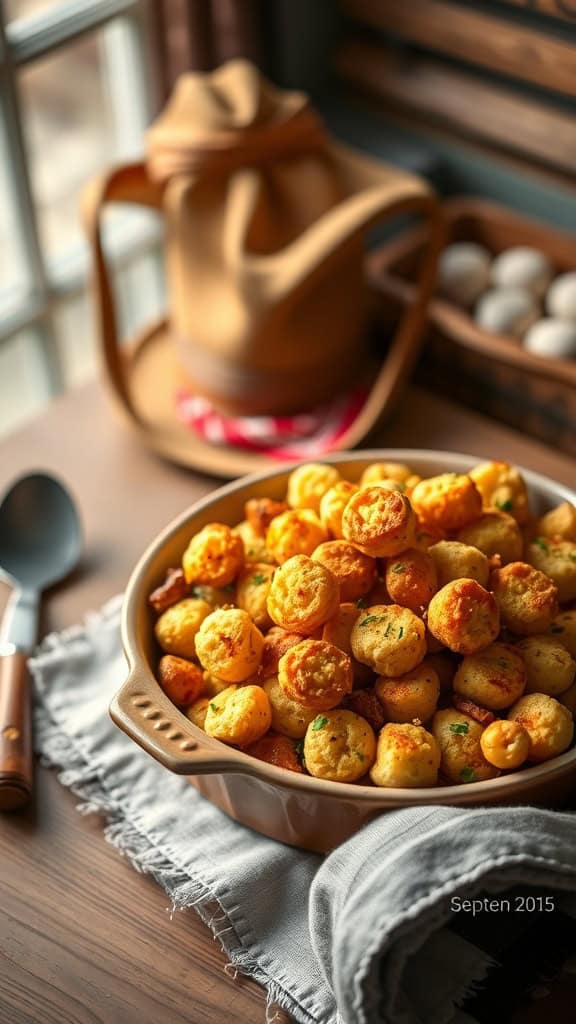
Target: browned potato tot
(197, 711)
(427, 535)
(253, 542)
(260, 512)
(563, 627)
(454, 560)
(276, 642)
(557, 559)
(212, 684)
(216, 597)
(462, 759)
(308, 483)
(338, 631)
(289, 717)
(411, 579)
(316, 674)
(252, 592)
(332, 506)
(178, 626)
(495, 533)
(448, 501)
(549, 667)
(303, 595)
(340, 746)
(296, 532)
(548, 723)
(377, 595)
(239, 715)
(407, 756)
(505, 744)
(380, 523)
(464, 617)
(568, 699)
(502, 487)
(559, 523)
(277, 750)
(526, 598)
(398, 472)
(181, 680)
(366, 704)
(354, 571)
(173, 589)
(214, 556)
(229, 645)
(444, 665)
(411, 696)
(388, 638)
(493, 678)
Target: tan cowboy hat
(269, 305)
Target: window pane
(75, 125)
(23, 390)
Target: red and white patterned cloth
(283, 437)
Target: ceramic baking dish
(296, 809)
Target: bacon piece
(468, 707)
(366, 704)
(173, 589)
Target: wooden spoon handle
(15, 732)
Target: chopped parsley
(319, 722)
(388, 629)
(401, 632)
(258, 578)
(214, 707)
(572, 556)
(369, 619)
(359, 756)
(541, 544)
(505, 506)
(468, 775)
(361, 602)
(556, 629)
(299, 748)
(503, 663)
(459, 727)
(400, 567)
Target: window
(77, 90)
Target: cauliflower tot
(493, 678)
(378, 522)
(563, 627)
(462, 758)
(308, 484)
(181, 680)
(303, 595)
(454, 560)
(464, 617)
(339, 745)
(178, 626)
(388, 638)
(252, 592)
(495, 533)
(253, 543)
(557, 559)
(229, 645)
(407, 756)
(376, 472)
(548, 723)
(559, 523)
(354, 571)
(448, 501)
(332, 506)
(277, 750)
(502, 487)
(338, 631)
(316, 674)
(296, 532)
(411, 579)
(549, 667)
(197, 711)
(289, 717)
(214, 556)
(526, 598)
(505, 744)
(411, 696)
(260, 512)
(239, 715)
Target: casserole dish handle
(145, 713)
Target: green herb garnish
(556, 629)
(319, 722)
(388, 629)
(369, 619)
(214, 707)
(503, 663)
(360, 756)
(401, 632)
(299, 748)
(258, 578)
(505, 506)
(459, 727)
(401, 567)
(361, 602)
(468, 775)
(541, 544)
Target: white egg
(522, 267)
(553, 338)
(463, 272)
(506, 311)
(561, 297)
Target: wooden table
(84, 939)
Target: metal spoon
(40, 542)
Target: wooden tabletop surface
(84, 939)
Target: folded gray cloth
(364, 935)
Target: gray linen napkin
(359, 937)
